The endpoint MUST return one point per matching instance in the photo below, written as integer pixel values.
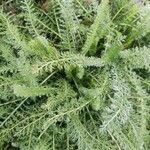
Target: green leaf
(24, 91)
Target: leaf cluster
(74, 74)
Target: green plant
(74, 74)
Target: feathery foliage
(74, 74)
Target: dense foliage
(74, 74)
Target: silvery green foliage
(74, 74)
(120, 109)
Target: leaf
(23, 91)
